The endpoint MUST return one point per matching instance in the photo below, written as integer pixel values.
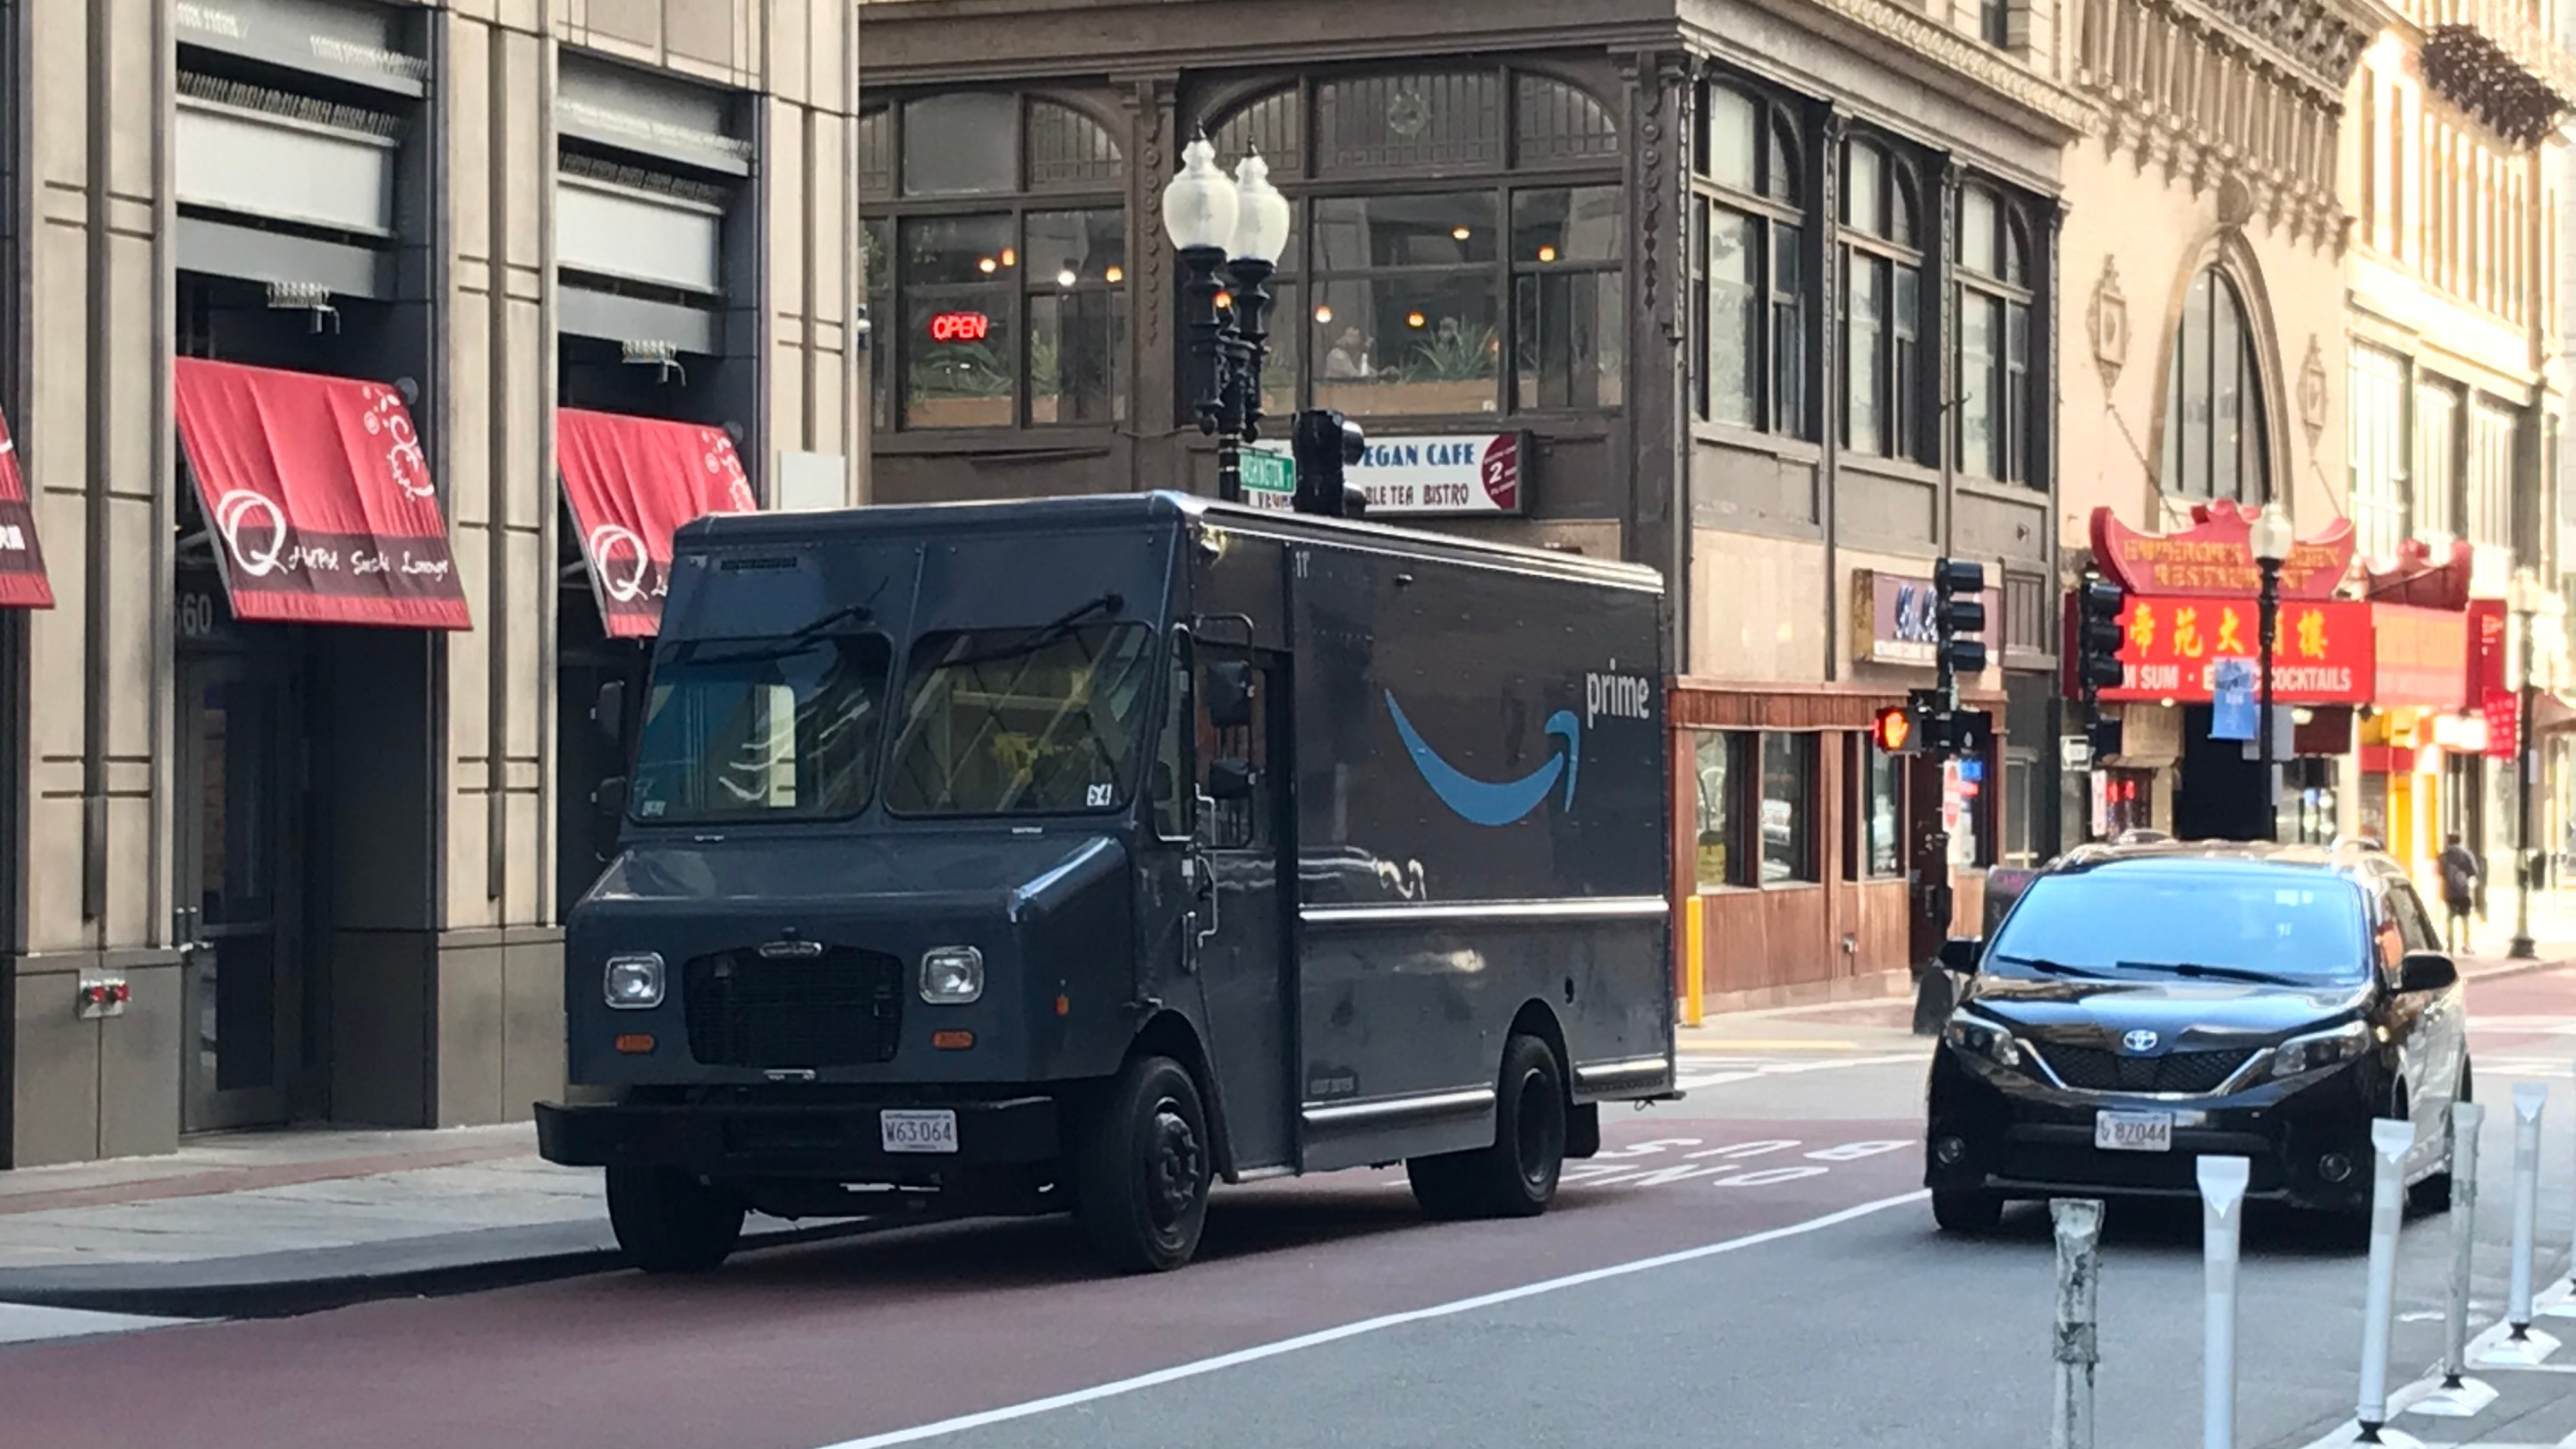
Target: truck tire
(670, 1222)
(1143, 1167)
(1516, 1176)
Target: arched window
(997, 262)
(1487, 281)
(1884, 406)
(1749, 254)
(1998, 415)
(2217, 433)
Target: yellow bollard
(1694, 956)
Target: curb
(239, 1288)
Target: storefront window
(1719, 758)
(1878, 806)
(2217, 440)
(1454, 300)
(1748, 233)
(997, 246)
(1788, 808)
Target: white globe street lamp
(1229, 233)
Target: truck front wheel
(1516, 1177)
(1142, 1168)
(670, 1222)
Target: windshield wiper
(707, 651)
(2046, 967)
(1042, 635)
(2199, 972)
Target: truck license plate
(2133, 1131)
(920, 1131)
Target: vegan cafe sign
(1452, 474)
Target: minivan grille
(843, 1008)
(2093, 1069)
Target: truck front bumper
(840, 1141)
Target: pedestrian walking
(2460, 879)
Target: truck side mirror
(1228, 692)
(1229, 780)
(608, 815)
(608, 712)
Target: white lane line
(1239, 1357)
(1689, 1081)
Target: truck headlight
(2304, 1054)
(634, 981)
(1979, 1037)
(952, 975)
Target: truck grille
(843, 1008)
(2093, 1069)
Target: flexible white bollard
(2528, 1099)
(2079, 1242)
(2460, 1397)
(2222, 1203)
(2390, 1141)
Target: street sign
(2074, 754)
(1269, 479)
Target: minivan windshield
(2257, 923)
(745, 730)
(1021, 721)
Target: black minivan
(2144, 1004)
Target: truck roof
(1113, 510)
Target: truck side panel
(1481, 806)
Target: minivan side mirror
(1959, 954)
(1227, 691)
(2427, 971)
(1229, 780)
(608, 712)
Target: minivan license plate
(918, 1131)
(2133, 1131)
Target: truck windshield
(1021, 721)
(741, 730)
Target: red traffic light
(1893, 729)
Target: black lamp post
(1228, 233)
(2530, 598)
(2270, 540)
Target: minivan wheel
(1516, 1177)
(1966, 1211)
(669, 1221)
(1143, 1168)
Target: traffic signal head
(1959, 612)
(2097, 633)
(1894, 732)
(2103, 736)
(1325, 443)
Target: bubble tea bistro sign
(1471, 474)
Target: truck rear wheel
(670, 1222)
(1143, 1167)
(1516, 1176)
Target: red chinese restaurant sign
(2215, 556)
(2173, 643)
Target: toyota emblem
(2140, 1040)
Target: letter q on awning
(632, 482)
(319, 498)
(22, 563)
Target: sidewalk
(272, 1223)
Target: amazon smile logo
(1484, 802)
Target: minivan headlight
(634, 981)
(2303, 1054)
(1979, 1037)
(952, 975)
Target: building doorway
(240, 897)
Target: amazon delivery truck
(1076, 854)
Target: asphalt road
(1753, 1263)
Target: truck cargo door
(1246, 972)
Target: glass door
(235, 721)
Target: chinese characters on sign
(2175, 643)
(2215, 556)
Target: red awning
(319, 496)
(631, 482)
(22, 563)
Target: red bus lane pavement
(868, 1341)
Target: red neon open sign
(959, 326)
